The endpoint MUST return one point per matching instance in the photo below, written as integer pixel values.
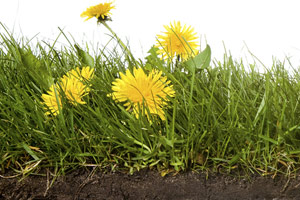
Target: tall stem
(124, 47)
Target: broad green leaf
(153, 58)
(200, 61)
(35, 68)
(85, 58)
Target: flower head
(74, 89)
(178, 40)
(137, 90)
(71, 85)
(52, 100)
(100, 11)
(85, 74)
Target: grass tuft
(225, 115)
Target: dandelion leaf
(85, 58)
(35, 68)
(153, 59)
(200, 61)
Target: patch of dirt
(85, 185)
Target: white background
(269, 28)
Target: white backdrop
(268, 27)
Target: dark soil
(85, 185)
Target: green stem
(124, 47)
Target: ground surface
(86, 185)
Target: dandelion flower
(71, 85)
(85, 74)
(137, 90)
(74, 89)
(178, 40)
(52, 100)
(100, 11)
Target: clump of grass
(224, 115)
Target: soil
(84, 184)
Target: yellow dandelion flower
(137, 90)
(52, 100)
(85, 74)
(74, 89)
(100, 11)
(72, 86)
(178, 41)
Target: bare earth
(83, 184)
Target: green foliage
(200, 61)
(85, 58)
(224, 115)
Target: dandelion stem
(124, 47)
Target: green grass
(225, 115)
